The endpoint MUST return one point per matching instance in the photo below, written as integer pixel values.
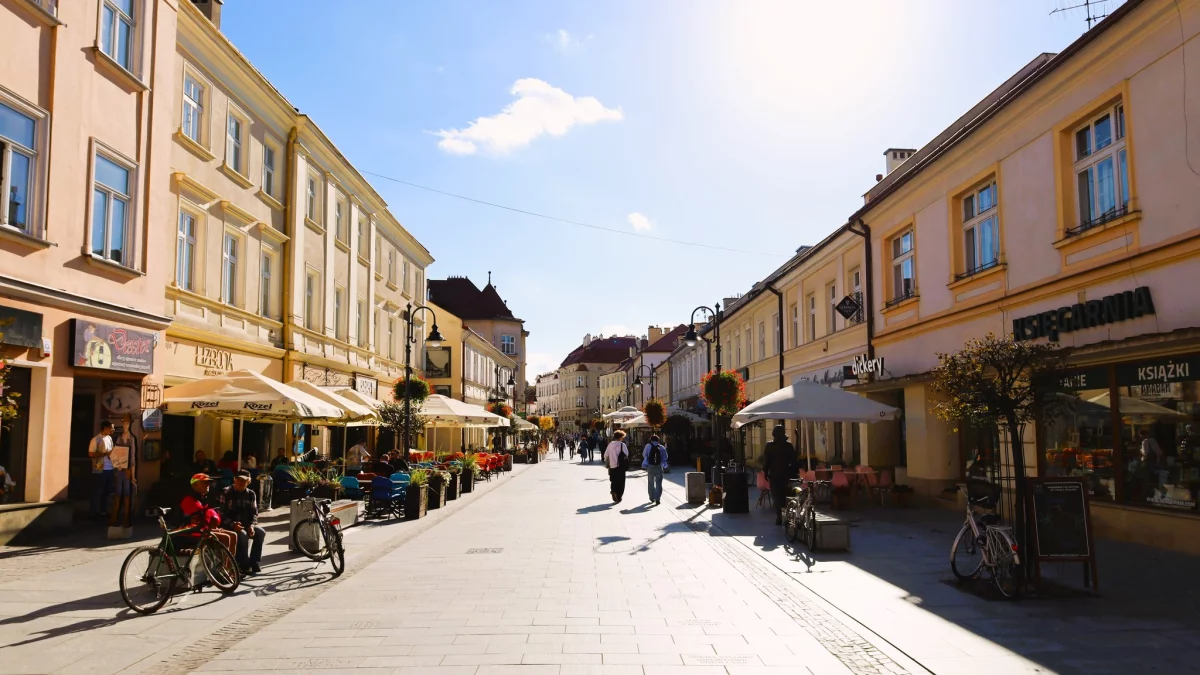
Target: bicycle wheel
(810, 528)
(219, 566)
(966, 556)
(308, 537)
(337, 554)
(147, 579)
(790, 524)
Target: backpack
(655, 455)
(623, 458)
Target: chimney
(654, 334)
(895, 157)
(210, 9)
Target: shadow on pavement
(594, 509)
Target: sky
(745, 128)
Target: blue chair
(386, 498)
(351, 487)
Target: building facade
(573, 393)
(84, 203)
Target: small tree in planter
(391, 415)
(314, 482)
(416, 500)
(438, 480)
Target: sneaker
(246, 571)
(255, 568)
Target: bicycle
(318, 537)
(150, 573)
(983, 545)
(800, 513)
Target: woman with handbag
(616, 459)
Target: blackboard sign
(1060, 517)
(21, 328)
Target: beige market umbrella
(627, 413)
(1136, 406)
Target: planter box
(534, 457)
(508, 462)
(521, 459)
(346, 510)
(452, 488)
(467, 483)
(416, 502)
(436, 494)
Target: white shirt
(102, 444)
(613, 452)
(357, 454)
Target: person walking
(562, 447)
(616, 459)
(100, 452)
(780, 465)
(654, 461)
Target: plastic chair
(351, 487)
(400, 477)
(386, 499)
(883, 487)
(840, 480)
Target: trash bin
(737, 494)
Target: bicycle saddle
(161, 510)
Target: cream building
(85, 203)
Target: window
(579, 402)
(833, 301)
(508, 344)
(116, 31)
(737, 344)
(391, 266)
(856, 293)
(17, 140)
(762, 340)
(903, 280)
(407, 285)
(310, 207)
(981, 238)
(268, 171)
(235, 135)
(264, 285)
(391, 344)
(795, 325)
(362, 323)
(812, 317)
(311, 297)
(1101, 169)
(229, 268)
(339, 302)
(193, 109)
(419, 283)
(185, 252)
(110, 210)
(362, 238)
(339, 221)
(775, 343)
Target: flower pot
(452, 487)
(467, 483)
(415, 502)
(508, 462)
(436, 494)
(324, 492)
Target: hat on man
(243, 473)
(200, 478)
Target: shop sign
(214, 361)
(120, 398)
(1161, 371)
(99, 345)
(830, 377)
(1082, 380)
(324, 377)
(864, 366)
(1083, 315)
(848, 307)
(20, 328)
(367, 386)
(1161, 391)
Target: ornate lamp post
(637, 380)
(690, 339)
(434, 340)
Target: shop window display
(1077, 434)
(1160, 434)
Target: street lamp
(690, 339)
(637, 380)
(434, 340)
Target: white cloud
(540, 109)
(537, 363)
(640, 222)
(564, 41)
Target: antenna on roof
(1092, 10)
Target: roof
(461, 297)
(668, 342)
(605, 350)
(975, 118)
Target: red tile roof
(668, 342)
(606, 350)
(461, 297)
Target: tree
(994, 382)
(391, 415)
(8, 400)
(547, 423)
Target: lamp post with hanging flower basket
(724, 393)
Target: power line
(570, 222)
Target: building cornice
(72, 302)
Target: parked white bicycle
(985, 546)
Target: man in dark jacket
(239, 512)
(780, 466)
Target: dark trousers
(616, 480)
(779, 493)
(102, 487)
(560, 453)
(248, 555)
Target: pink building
(1063, 208)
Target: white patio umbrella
(815, 402)
(354, 414)
(442, 411)
(627, 413)
(359, 398)
(639, 421)
(246, 395)
(691, 416)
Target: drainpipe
(289, 262)
(864, 231)
(779, 330)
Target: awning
(626, 413)
(352, 413)
(247, 395)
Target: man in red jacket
(199, 514)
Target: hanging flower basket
(417, 389)
(500, 409)
(598, 424)
(656, 412)
(723, 392)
